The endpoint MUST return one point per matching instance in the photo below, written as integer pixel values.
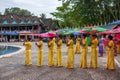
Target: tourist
(83, 60)
(59, 51)
(50, 52)
(28, 59)
(94, 52)
(40, 60)
(100, 46)
(77, 45)
(105, 43)
(110, 58)
(71, 55)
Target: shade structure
(25, 33)
(83, 31)
(117, 30)
(10, 33)
(107, 32)
(61, 32)
(77, 29)
(48, 35)
(77, 33)
(87, 29)
(69, 31)
(34, 34)
(99, 29)
(112, 25)
(90, 26)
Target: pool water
(8, 49)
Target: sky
(35, 6)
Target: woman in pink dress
(105, 43)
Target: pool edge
(22, 49)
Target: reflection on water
(7, 49)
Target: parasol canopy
(48, 35)
(99, 29)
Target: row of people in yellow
(70, 51)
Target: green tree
(87, 12)
(18, 11)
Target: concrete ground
(12, 68)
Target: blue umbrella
(77, 33)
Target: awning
(10, 33)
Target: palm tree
(43, 15)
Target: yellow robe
(51, 53)
(40, 60)
(59, 54)
(110, 58)
(77, 45)
(54, 45)
(28, 59)
(70, 59)
(94, 54)
(83, 60)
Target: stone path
(13, 68)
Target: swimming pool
(8, 49)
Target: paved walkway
(13, 68)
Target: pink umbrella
(90, 26)
(47, 35)
(82, 31)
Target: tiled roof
(49, 23)
(13, 19)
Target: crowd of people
(99, 46)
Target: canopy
(48, 34)
(24, 32)
(87, 29)
(10, 33)
(99, 29)
(111, 25)
(76, 33)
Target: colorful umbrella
(99, 29)
(48, 34)
(76, 33)
(87, 29)
(83, 31)
(90, 26)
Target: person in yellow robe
(83, 60)
(28, 59)
(94, 52)
(55, 49)
(59, 51)
(71, 55)
(110, 57)
(51, 52)
(39, 44)
(77, 45)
